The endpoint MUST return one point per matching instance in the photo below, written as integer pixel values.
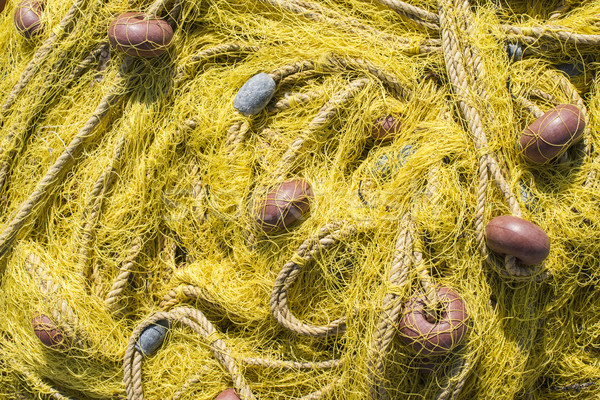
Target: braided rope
(103, 60)
(299, 77)
(421, 17)
(312, 396)
(132, 376)
(528, 106)
(21, 396)
(389, 80)
(325, 115)
(326, 237)
(457, 381)
(489, 166)
(67, 158)
(12, 139)
(197, 188)
(91, 58)
(510, 268)
(323, 391)
(199, 191)
(63, 164)
(237, 131)
(102, 186)
(292, 101)
(573, 98)
(281, 73)
(456, 60)
(240, 127)
(275, 364)
(317, 13)
(16, 138)
(262, 362)
(425, 46)
(391, 309)
(432, 299)
(156, 7)
(217, 51)
(40, 56)
(38, 384)
(94, 205)
(112, 298)
(555, 36)
(458, 75)
(189, 383)
(569, 89)
(46, 285)
(167, 255)
(96, 279)
(5, 167)
(335, 64)
(290, 73)
(195, 320)
(8, 152)
(552, 34)
(91, 213)
(183, 292)
(540, 94)
(294, 8)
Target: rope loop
(327, 236)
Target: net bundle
(290, 199)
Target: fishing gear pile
(299, 199)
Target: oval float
(429, 338)
(227, 394)
(48, 332)
(386, 128)
(28, 18)
(138, 35)
(552, 133)
(517, 237)
(284, 205)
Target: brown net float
(139, 35)
(552, 134)
(48, 332)
(517, 237)
(283, 206)
(386, 128)
(426, 336)
(227, 394)
(28, 17)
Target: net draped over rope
(133, 257)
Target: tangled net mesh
(129, 187)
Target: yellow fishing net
(133, 259)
